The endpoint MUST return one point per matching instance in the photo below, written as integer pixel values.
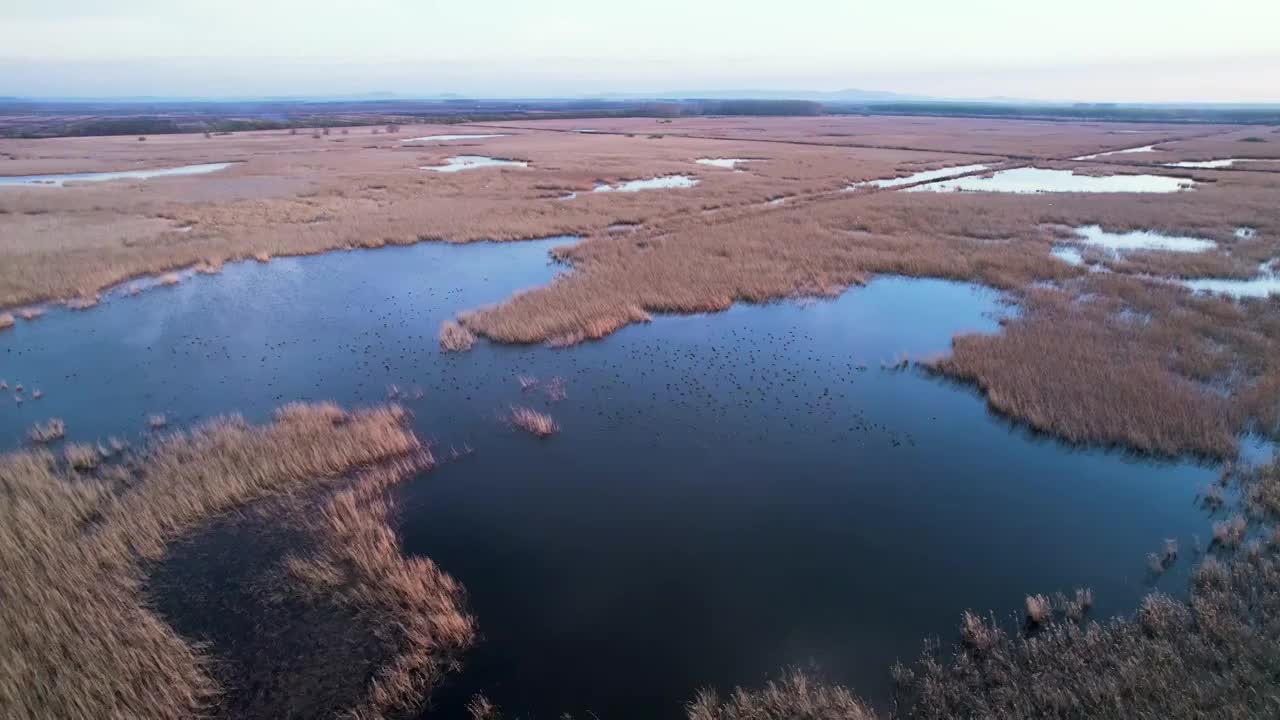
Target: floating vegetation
(48, 431)
(530, 420)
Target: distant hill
(850, 95)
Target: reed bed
(76, 241)
(1212, 656)
(1082, 373)
(1026, 138)
(78, 639)
(81, 456)
(705, 248)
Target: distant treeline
(750, 107)
(1113, 112)
(36, 119)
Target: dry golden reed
(416, 606)
(77, 639)
(455, 338)
(530, 420)
(795, 696)
(1202, 370)
(47, 431)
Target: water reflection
(471, 162)
(62, 180)
(731, 493)
(1118, 243)
(919, 177)
(656, 183)
(443, 138)
(1040, 180)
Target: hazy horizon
(1091, 51)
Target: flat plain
(1103, 346)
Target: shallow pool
(656, 183)
(1040, 180)
(1266, 284)
(62, 180)
(471, 162)
(1068, 255)
(1118, 243)
(729, 163)
(1126, 151)
(443, 138)
(1211, 164)
(923, 176)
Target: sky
(1082, 50)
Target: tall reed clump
(455, 338)
(794, 696)
(540, 424)
(48, 431)
(418, 608)
(1212, 656)
(77, 638)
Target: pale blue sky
(1140, 50)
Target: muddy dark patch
(274, 654)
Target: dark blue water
(730, 493)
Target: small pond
(1118, 243)
(443, 138)
(472, 162)
(729, 163)
(1126, 151)
(1040, 180)
(655, 183)
(1211, 164)
(923, 176)
(62, 180)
